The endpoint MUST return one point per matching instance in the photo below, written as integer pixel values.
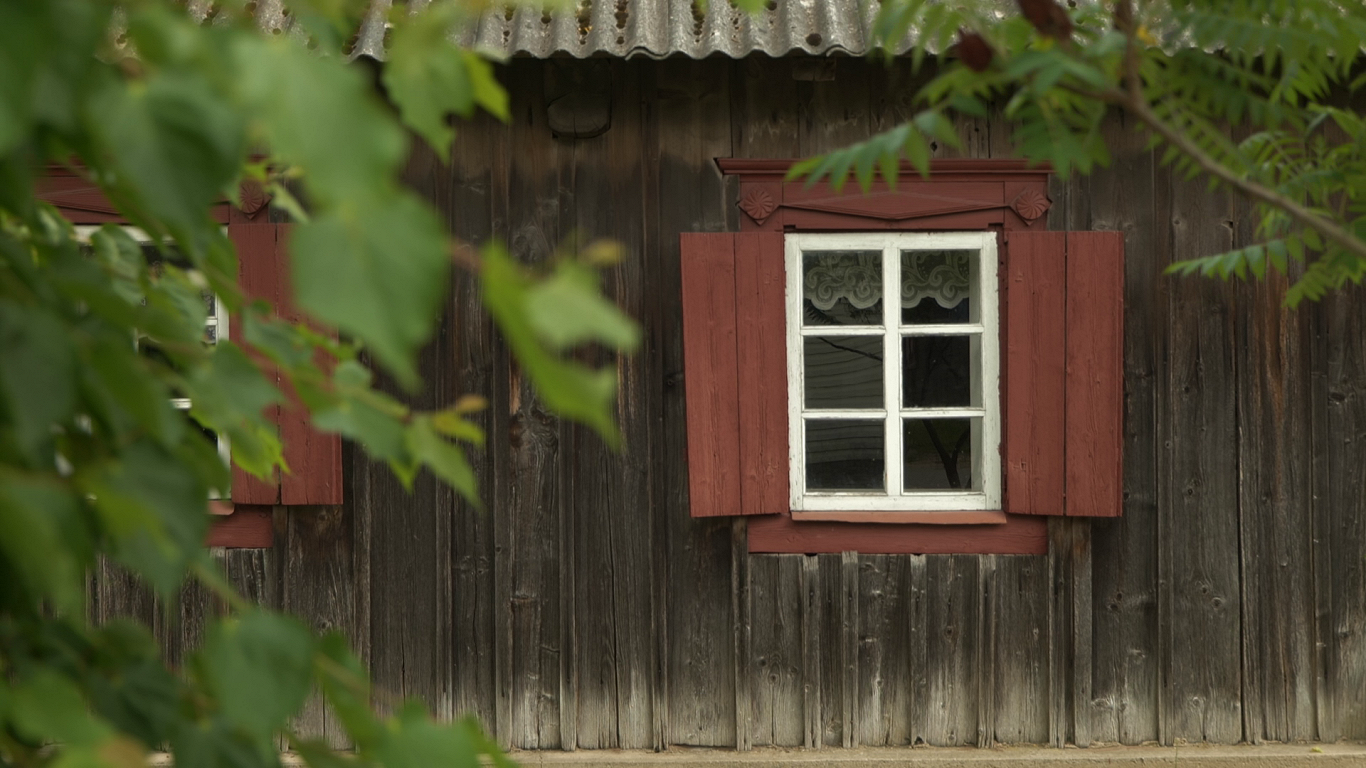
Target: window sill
(1017, 535)
(240, 526)
(978, 517)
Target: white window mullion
(891, 364)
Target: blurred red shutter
(258, 274)
(314, 458)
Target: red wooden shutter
(735, 352)
(1064, 378)
(1095, 373)
(314, 458)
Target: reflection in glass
(938, 287)
(843, 371)
(936, 371)
(842, 287)
(845, 455)
(939, 454)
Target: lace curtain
(857, 278)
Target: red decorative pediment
(893, 206)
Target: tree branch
(1134, 101)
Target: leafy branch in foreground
(1184, 69)
(167, 117)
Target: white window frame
(986, 454)
(219, 322)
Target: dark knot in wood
(758, 204)
(1031, 204)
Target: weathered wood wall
(585, 609)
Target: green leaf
(46, 706)
(445, 459)
(381, 276)
(429, 78)
(37, 518)
(415, 741)
(343, 681)
(567, 309)
(155, 507)
(568, 389)
(37, 379)
(175, 143)
(320, 114)
(259, 667)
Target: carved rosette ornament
(1031, 204)
(254, 198)
(758, 204)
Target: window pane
(845, 455)
(843, 371)
(842, 287)
(939, 371)
(940, 454)
(939, 287)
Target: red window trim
(247, 526)
(1000, 195)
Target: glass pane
(845, 455)
(939, 371)
(843, 371)
(842, 288)
(940, 454)
(939, 287)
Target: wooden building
(585, 608)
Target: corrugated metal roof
(626, 28)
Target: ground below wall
(1261, 756)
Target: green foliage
(1277, 71)
(167, 117)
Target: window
(893, 394)
(952, 418)
(216, 327)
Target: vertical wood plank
(1035, 372)
(1199, 569)
(1275, 507)
(953, 600)
(849, 647)
(408, 544)
(529, 594)
(316, 586)
(833, 637)
(813, 610)
(1128, 197)
(741, 623)
(1340, 516)
(918, 633)
(472, 192)
(1095, 374)
(610, 656)
(776, 651)
(761, 357)
(884, 688)
(1019, 701)
(693, 574)
(987, 662)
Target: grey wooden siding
(585, 609)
